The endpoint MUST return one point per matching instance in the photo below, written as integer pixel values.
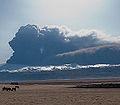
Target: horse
(6, 88)
(13, 89)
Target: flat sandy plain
(58, 93)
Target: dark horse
(15, 88)
(6, 89)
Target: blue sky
(76, 14)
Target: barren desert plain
(58, 93)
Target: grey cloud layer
(36, 46)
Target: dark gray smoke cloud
(34, 46)
(104, 54)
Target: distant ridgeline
(53, 45)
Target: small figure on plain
(13, 89)
(6, 88)
(17, 87)
(10, 89)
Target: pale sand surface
(37, 94)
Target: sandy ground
(36, 94)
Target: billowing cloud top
(33, 45)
